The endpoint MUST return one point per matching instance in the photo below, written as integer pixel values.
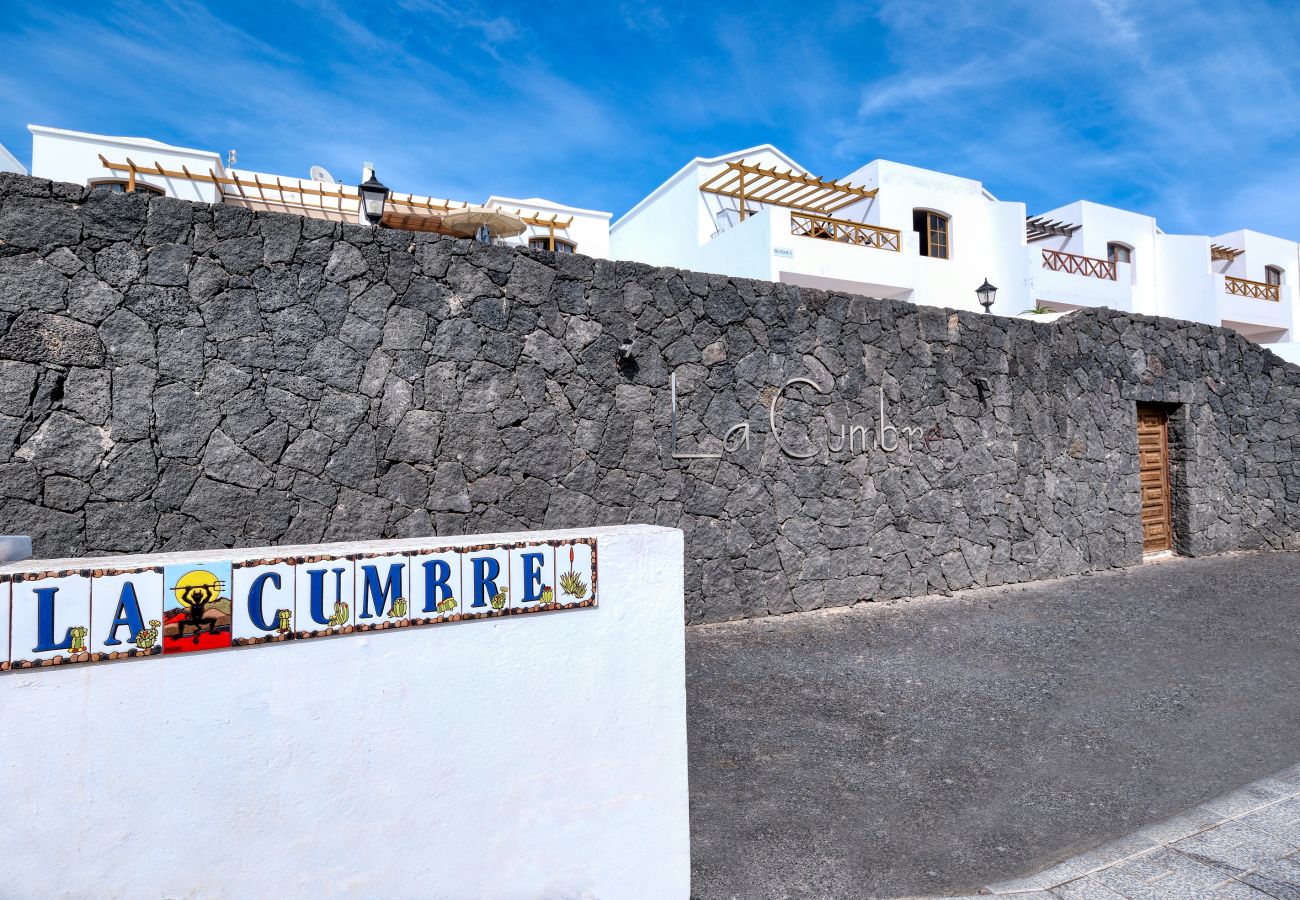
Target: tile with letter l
(196, 607)
(324, 591)
(50, 620)
(435, 581)
(126, 614)
(485, 580)
(263, 598)
(383, 592)
(575, 562)
(532, 577)
(4, 625)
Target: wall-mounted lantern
(987, 293)
(373, 197)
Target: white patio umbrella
(471, 222)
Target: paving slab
(938, 746)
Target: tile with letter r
(49, 620)
(196, 607)
(435, 581)
(383, 592)
(4, 625)
(532, 577)
(263, 599)
(324, 594)
(485, 578)
(575, 563)
(126, 613)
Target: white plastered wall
(73, 156)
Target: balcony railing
(844, 231)
(1256, 289)
(1074, 264)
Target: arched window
(120, 186)
(544, 243)
(933, 229)
(1272, 275)
(1119, 253)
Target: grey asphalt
(932, 746)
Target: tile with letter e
(383, 592)
(4, 625)
(435, 587)
(532, 577)
(263, 601)
(50, 620)
(324, 591)
(196, 607)
(485, 581)
(575, 563)
(126, 614)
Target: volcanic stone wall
(182, 376)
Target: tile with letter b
(383, 592)
(435, 581)
(50, 620)
(196, 607)
(126, 614)
(575, 563)
(263, 602)
(4, 625)
(485, 581)
(324, 594)
(532, 577)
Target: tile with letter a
(324, 591)
(485, 576)
(196, 607)
(50, 621)
(263, 598)
(435, 587)
(4, 625)
(575, 563)
(532, 577)
(126, 614)
(383, 592)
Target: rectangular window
(1272, 275)
(932, 229)
(1118, 253)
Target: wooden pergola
(1220, 251)
(322, 200)
(1039, 227)
(754, 184)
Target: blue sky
(1188, 111)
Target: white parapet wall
(394, 727)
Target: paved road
(937, 745)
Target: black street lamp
(373, 197)
(986, 292)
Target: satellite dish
(319, 173)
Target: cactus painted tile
(126, 614)
(262, 602)
(532, 577)
(50, 620)
(324, 594)
(435, 587)
(4, 626)
(485, 581)
(196, 607)
(575, 562)
(383, 592)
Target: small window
(1272, 275)
(120, 186)
(932, 227)
(544, 243)
(1119, 253)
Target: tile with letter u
(324, 594)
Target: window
(1272, 275)
(1119, 253)
(544, 243)
(933, 230)
(119, 185)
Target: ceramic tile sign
(126, 613)
(135, 607)
(196, 607)
(49, 620)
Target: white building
(891, 230)
(9, 162)
(140, 164)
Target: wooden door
(1153, 469)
